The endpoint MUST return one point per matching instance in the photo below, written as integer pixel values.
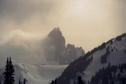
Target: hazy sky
(85, 23)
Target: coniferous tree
(80, 81)
(24, 81)
(53, 82)
(9, 72)
(20, 81)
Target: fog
(85, 23)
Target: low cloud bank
(50, 50)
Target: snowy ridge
(112, 52)
(117, 56)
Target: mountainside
(112, 52)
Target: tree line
(113, 74)
(9, 74)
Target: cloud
(28, 16)
(20, 22)
(51, 50)
(21, 50)
(82, 21)
(20, 10)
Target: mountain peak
(57, 50)
(55, 32)
(57, 29)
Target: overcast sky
(85, 23)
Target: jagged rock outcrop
(56, 50)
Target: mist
(85, 23)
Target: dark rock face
(54, 45)
(56, 50)
(72, 53)
(74, 69)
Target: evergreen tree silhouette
(9, 72)
(20, 81)
(80, 81)
(24, 81)
(53, 82)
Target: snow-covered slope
(36, 74)
(42, 74)
(112, 52)
(116, 55)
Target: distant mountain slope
(112, 52)
(35, 74)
